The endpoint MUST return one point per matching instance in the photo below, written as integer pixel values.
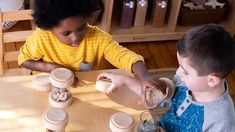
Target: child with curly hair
(64, 38)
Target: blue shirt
(186, 115)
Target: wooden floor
(156, 54)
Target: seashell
(63, 96)
(55, 96)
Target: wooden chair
(12, 36)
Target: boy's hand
(116, 79)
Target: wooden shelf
(170, 31)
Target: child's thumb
(111, 88)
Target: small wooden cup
(55, 119)
(61, 77)
(102, 85)
(121, 122)
(41, 82)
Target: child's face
(71, 31)
(190, 76)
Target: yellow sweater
(43, 45)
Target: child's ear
(213, 80)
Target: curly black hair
(48, 13)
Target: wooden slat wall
(160, 54)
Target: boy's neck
(209, 95)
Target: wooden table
(21, 106)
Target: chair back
(12, 38)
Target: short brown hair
(209, 48)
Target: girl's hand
(76, 80)
(149, 81)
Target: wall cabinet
(170, 31)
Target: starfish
(214, 3)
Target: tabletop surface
(21, 106)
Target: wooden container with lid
(41, 82)
(61, 79)
(140, 13)
(121, 122)
(103, 84)
(153, 97)
(127, 13)
(55, 119)
(159, 12)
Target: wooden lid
(121, 121)
(41, 82)
(103, 85)
(60, 104)
(55, 118)
(61, 77)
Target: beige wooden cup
(121, 122)
(55, 119)
(103, 85)
(41, 82)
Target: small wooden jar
(140, 13)
(55, 119)
(159, 10)
(153, 97)
(41, 82)
(121, 122)
(61, 79)
(103, 85)
(127, 13)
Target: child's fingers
(103, 75)
(75, 82)
(160, 129)
(156, 84)
(160, 85)
(110, 89)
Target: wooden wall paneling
(105, 65)
(231, 81)
(131, 46)
(233, 72)
(157, 55)
(167, 56)
(171, 47)
(148, 56)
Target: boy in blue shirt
(201, 102)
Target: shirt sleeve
(30, 50)
(120, 56)
(222, 126)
